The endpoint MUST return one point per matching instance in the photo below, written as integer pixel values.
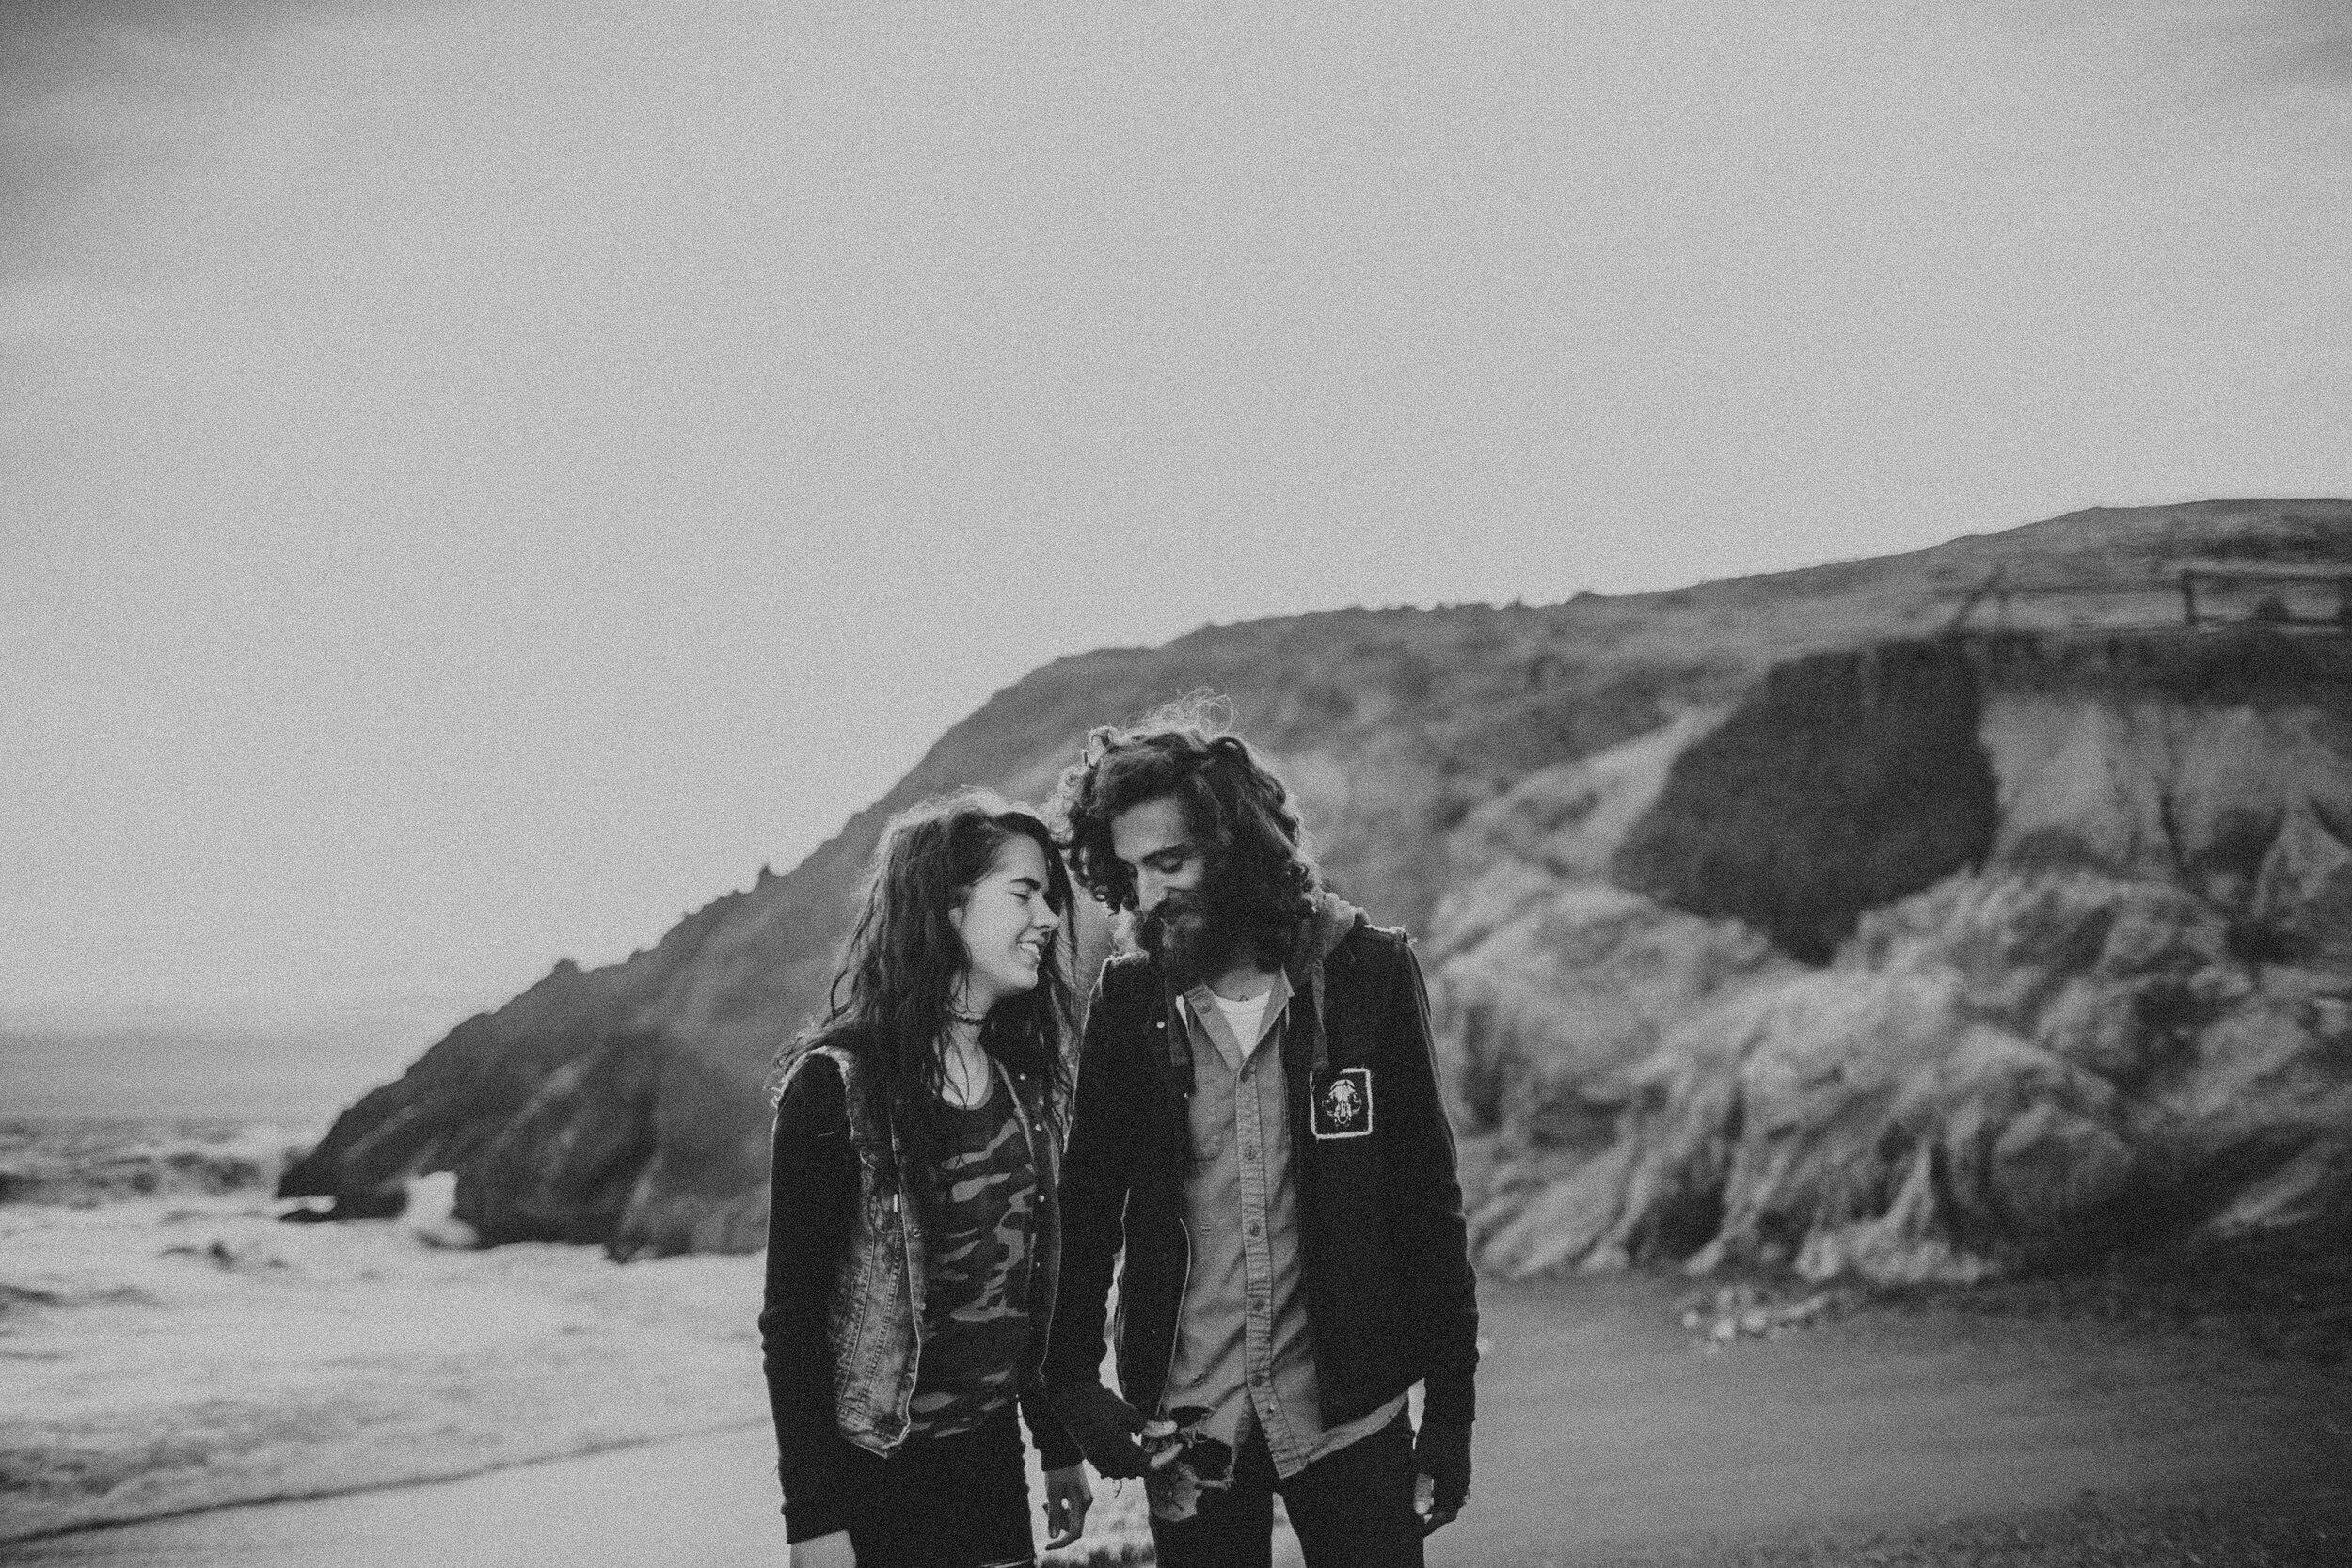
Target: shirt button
(1253, 1227)
(1244, 1075)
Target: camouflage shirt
(975, 1308)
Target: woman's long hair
(894, 986)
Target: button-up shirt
(1245, 1352)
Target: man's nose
(1150, 887)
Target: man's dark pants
(1353, 1508)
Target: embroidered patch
(1343, 1107)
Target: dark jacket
(1391, 1298)
(840, 1330)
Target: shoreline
(174, 1353)
(1608, 1438)
(183, 1354)
(393, 1483)
(2233, 1527)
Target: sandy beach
(1610, 1438)
(169, 1345)
(166, 1355)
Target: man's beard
(1195, 934)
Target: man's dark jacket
(1390, 1299)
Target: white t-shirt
(1245, 1019)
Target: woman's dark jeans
(1353, 1508)
(942, 1502)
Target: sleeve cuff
(806, 1521)
(1056, 1451)
(1449, 1401)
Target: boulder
(1924, 1110)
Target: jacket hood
(1334, 917)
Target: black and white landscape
(1802, 551)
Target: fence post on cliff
(2188, 596)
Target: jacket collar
(1304, 1044)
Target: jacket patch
(1342, 1104)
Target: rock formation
(2122, 1015)
(1772, 918)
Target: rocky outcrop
(1844, 782)
(1564, 801)
(625, 1104)
(2130, 1020)
(549, 1110)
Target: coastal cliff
(1921, 917)
(1795, 998)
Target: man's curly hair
(1235, 807)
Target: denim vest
(875, 1321)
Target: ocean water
(179, 1348)
(295, 1077)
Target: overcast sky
(477, 480)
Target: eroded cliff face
(625, 1104)
(2127, 1022)
(1477, 774)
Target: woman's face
(1006, 927)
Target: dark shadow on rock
(1844, 781)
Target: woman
(913, 1235)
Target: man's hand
(1105, 1427)
(1067, 1498)
(822, 1551)
(1441, 1460)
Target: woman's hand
(1067, 1498)
(822, 1551)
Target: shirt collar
(1206, 1018)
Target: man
(1258, 1125)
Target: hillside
(1767, 916)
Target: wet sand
(1930, 1436)
(1927, 1435)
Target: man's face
(1179, 904)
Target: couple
(1256, 1124)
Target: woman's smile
(1008, 922)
